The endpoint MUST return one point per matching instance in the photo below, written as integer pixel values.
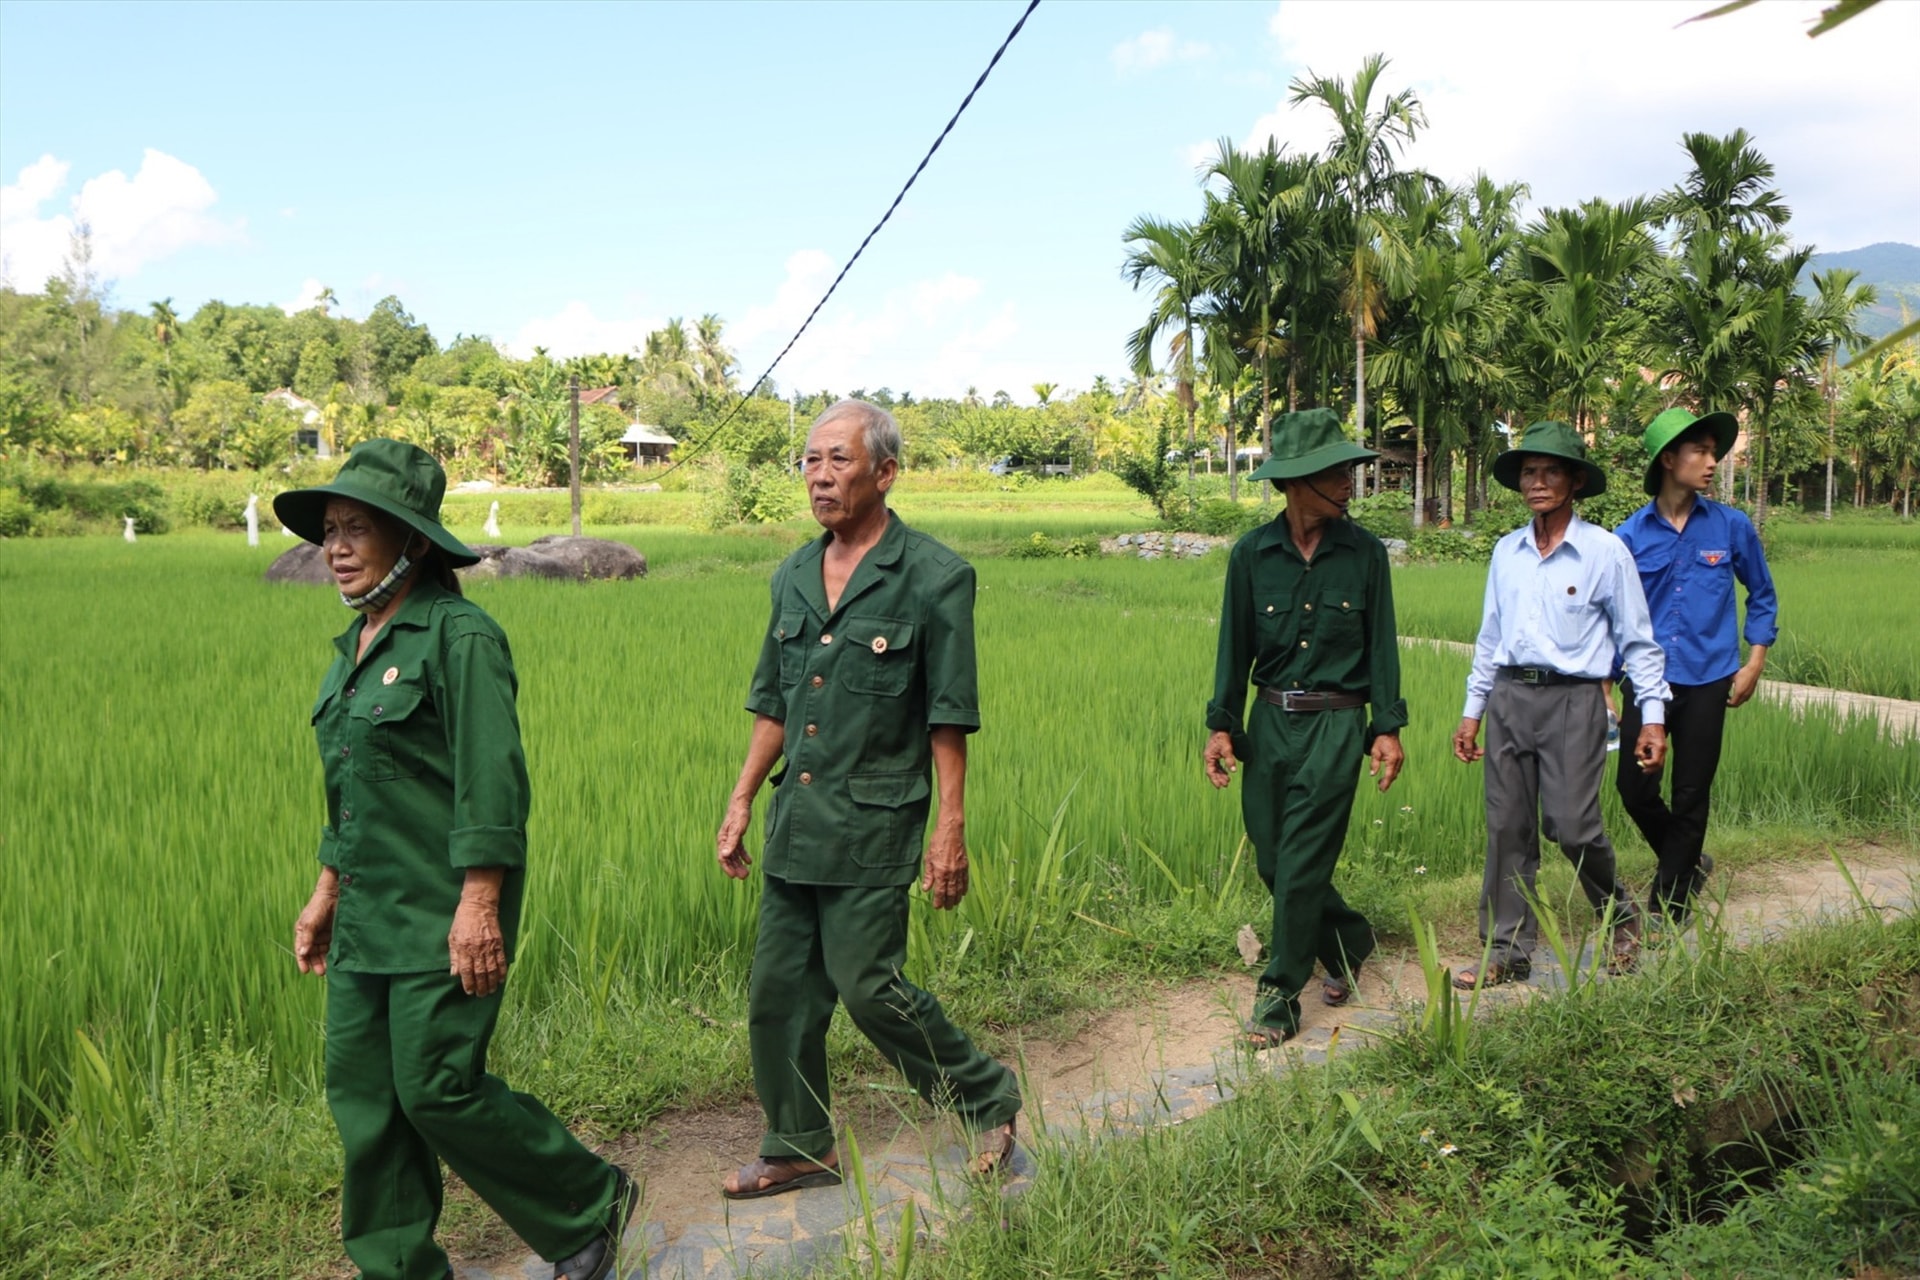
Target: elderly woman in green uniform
(1307, 616)
(422, 865)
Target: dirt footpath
(1161, 1061)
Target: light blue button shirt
(1569, 611)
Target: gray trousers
(1546, 752)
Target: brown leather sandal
(1338, 990)
(1261, 1037)
(1496, 973)
(779, 1175)
(995, 1157)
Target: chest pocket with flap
(389, 728)
(879, 658)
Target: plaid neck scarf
(382, 591)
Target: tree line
(1434, 317)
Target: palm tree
(1582, 266)
(667, 361)
(1838, 305)
(166, 329)
(711, 358)
(1360, 171)
(1043, 392)
(1167, 255)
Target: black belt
(1300, 700)
(1545, 675)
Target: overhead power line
(711, 436)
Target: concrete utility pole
(573, 449)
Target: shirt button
(1308, 606)
(352, 689)
(345, 752)
(345, 814)
(1303, 644)
(1345, 605)
(818, 681)
(812, 729)
(379, 711)
(806, 779)
(826, 637)
(347, 879)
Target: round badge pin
(390, 675)
(879, 644)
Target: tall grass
(160, 794)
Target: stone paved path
(787, 1234)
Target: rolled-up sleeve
(1383, 649)
(490, 787)
(953, 688)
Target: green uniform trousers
(1296, 792)
(819, 942)
(408, 1086)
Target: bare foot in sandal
(780, 1174)
(995, 1154)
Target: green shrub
(1384, 515)
(59, 523)
(1219, 518)
(16, 514)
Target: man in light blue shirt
(1690, 551)
(1562, 599)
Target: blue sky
(571, 175)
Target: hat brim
(1506, 470)
(1331, 455)
(305, 510)
(1726, 430)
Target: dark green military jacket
(1324, 627)
(858, 690)
(425, 778)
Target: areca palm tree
(1262, 209)
(711, 359)
(166, 330)
(1360, 171)
(1582, 264)
(1166, 255)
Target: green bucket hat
(392, 476)
(1308, 441)
(1670, 425)
(1551, 440)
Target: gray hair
(878, 431)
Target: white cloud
(310, 291)
(575, 331)
(935, 336)
(163, 208)
(1582, 98)
(1156, 48)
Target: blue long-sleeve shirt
(1688, 577)
(1569, 611)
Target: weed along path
(1161, 1061)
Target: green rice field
(160, 796)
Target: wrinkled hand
(477, 948)
(1220, 762)
(1466, 746)
(945, 878)
(313, 932)
(1745, 681)
(1651, 748)
(1385, 759)
(729, 847)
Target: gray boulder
(557, 556)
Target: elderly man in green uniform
(1308, 614)
(865, 685)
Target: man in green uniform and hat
(865, 686)
(1562, 600)
(1690, 551)
(1307, 615)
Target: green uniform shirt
(858, 689)
(1324, 627)
(425, 778)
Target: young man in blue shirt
(1562, 600)
(1689, 551)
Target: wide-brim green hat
(1674, 423)
(1552, 440)
(390, 476)
(1307, 442)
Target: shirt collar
(1277, 533)
(416, 611)
(1577, 534)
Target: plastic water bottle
(1613, 730)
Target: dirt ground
(684, 1155)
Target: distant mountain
(1893, 269)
